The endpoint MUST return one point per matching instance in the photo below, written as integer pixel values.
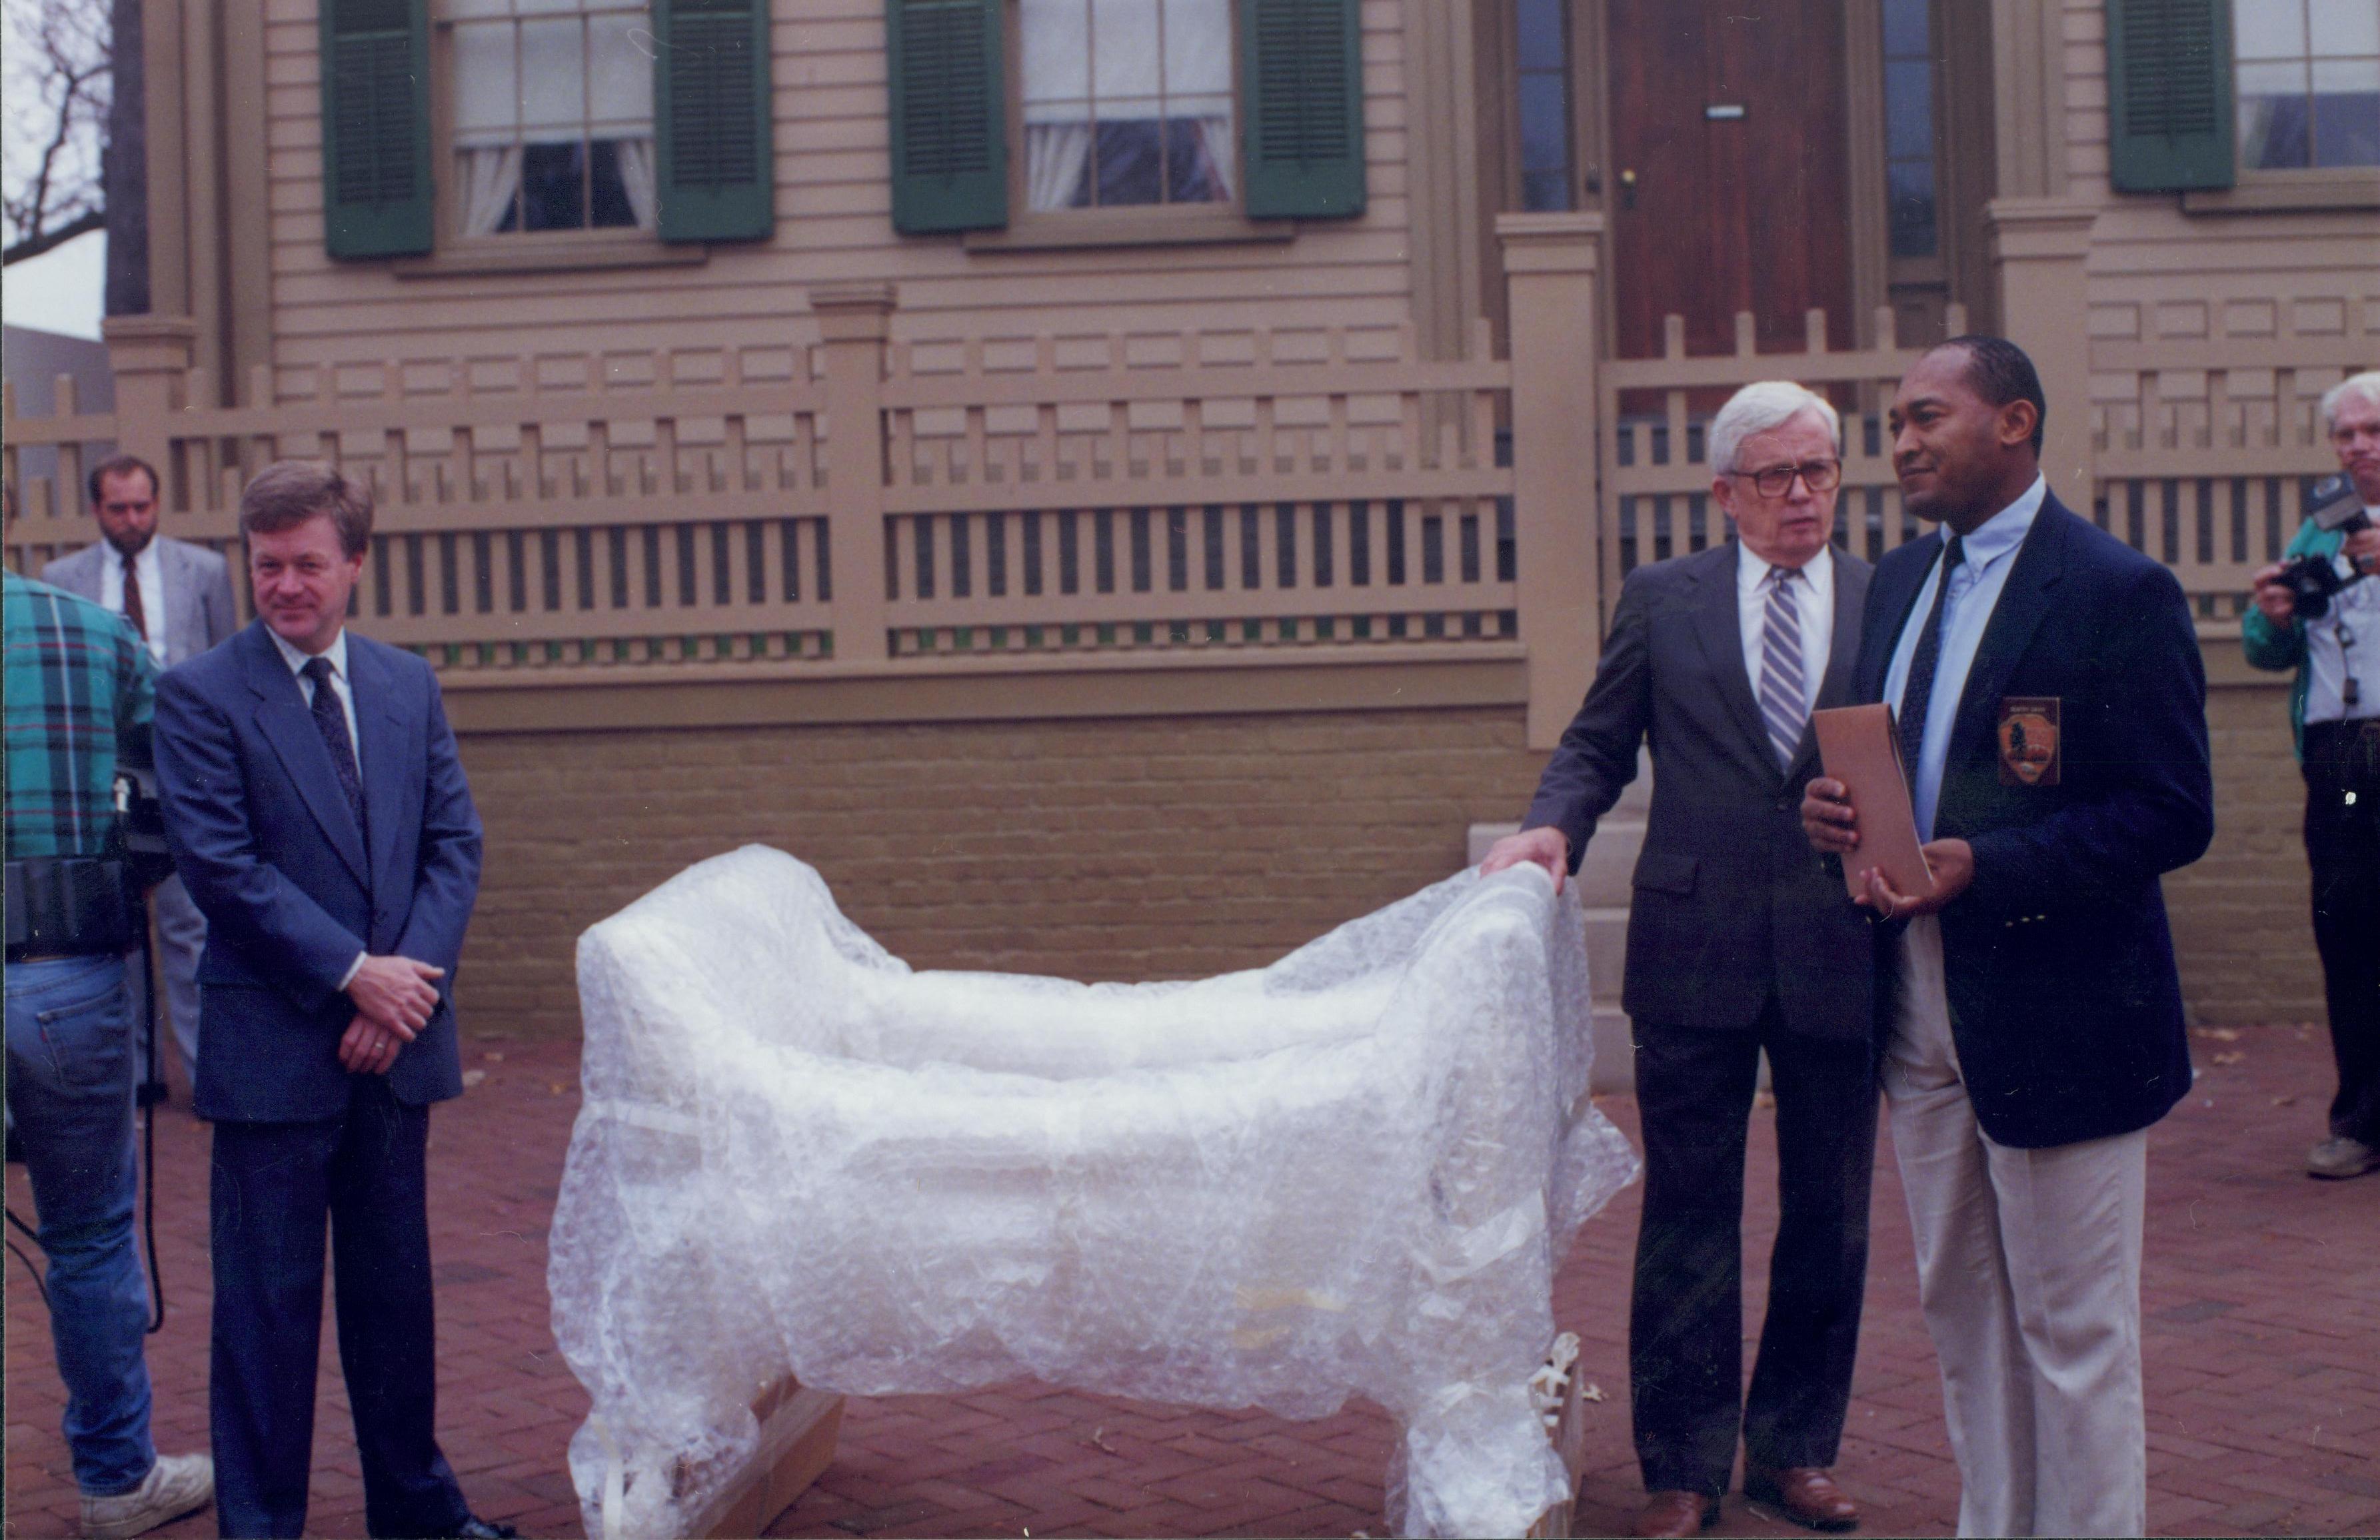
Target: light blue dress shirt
(1975, 587)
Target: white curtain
(637, 177)
(1055, 155)
(490, 182)
(1217, 151)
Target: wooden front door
(1727, 184)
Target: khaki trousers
(2029, 1273)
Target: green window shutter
(715, 177)
(376, 185)
(2169, 94)
(949, 104)
(1302, 88)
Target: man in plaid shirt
(77, 680)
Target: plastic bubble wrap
(1351, 1173)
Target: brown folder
(1859, 747)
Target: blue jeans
(70, 1073)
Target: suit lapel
(1892, 595)
(1719, 627)
(381, 724)
(2039, 563)
(282, 716)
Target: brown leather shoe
(1676, 1513)
(1804, 1494)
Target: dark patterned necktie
(1917, 694)
(136, 613)
(332, 722)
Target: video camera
(2333, 504)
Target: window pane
(1194, 174)
(2268, 29)
(2346, 77)
(1541, 34)
(2273, 79)
(2274, 133)
(1130, 163)
(1909, 109)
(608, 186)
(553, 187)
(484, 97)
(1123, 48)
(1198, 48)
(553, 79)
(1057, 165)
(2347, 130)
(1909, 185)
(2341, 27)
(1544, 191)
(1905, 25)
(620, 69)
(1057, 44)
(1545, 122)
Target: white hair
(2365, 385)
(1758, 408)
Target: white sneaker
(177, 1485)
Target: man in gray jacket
(1739, 940)
(178, 596)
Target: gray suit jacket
(1732, 909)
(199, 608)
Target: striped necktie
(1784, 696)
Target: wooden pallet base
(798, 1428)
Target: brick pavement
(2262, 1293)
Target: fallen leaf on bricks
(472, 1078)
(2229, 1058)
(1593, 1393)
(2220, 1033)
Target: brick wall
(2241, 915)
(1169, 846)
(1138, 848)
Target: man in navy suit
(1740, 942)
(2052, 712)
(319, 815)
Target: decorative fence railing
(860, 504)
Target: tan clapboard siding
(833, 203)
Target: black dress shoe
(473, 1527)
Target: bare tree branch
(33, 246)
(57, 94)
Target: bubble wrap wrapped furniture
(1353, 1172)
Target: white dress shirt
(1813, 600)
(2345, 643)
(1985, 557)
(151, 574)
(338, 653)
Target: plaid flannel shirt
(76, 677)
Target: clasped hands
(1832, 824)
(394, 997)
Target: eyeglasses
(1819, 476)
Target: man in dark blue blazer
(2052, 712)
(319, 815)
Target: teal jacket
(2273, 647)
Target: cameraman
(78, 684)
(2336, 711)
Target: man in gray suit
(1738, 942)
(178, 596)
